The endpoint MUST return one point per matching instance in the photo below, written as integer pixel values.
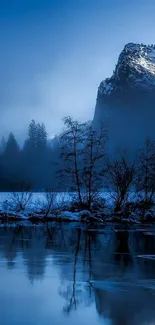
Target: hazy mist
(55, 53)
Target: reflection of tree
(37, 242)
(52, 232)
(144, 244)
(88, 252)
(122, 252)
(34, 242)
(28, 241)
(120, 298)
(76, 292)
(9, 239)
(72, 301)
(93, 265)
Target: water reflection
(100, 276)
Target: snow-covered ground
(58, 206)
(36, 196)
(39, 198)
(26, 206)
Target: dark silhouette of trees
(78, 156)
(12, 147)
(2, 144)
(10, 162)
(37, 136)
(71, 150)
(94, 162)
(34, 155)
(121, 172)
(83, 152)
(145, 176)
(29, 165)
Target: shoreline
(35, 220)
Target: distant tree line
(77, 162)
(31, 166)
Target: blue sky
(54, 54)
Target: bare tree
(73, 293)
(71, 141)
(93, 162)
(49, 202)
(120, 178)
(19, 201)
(83, 150)
(145, 180)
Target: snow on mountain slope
(135, 67)
(126, 101)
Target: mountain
(126, 100)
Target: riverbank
(48, 207)
(82, 217)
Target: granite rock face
(126, 101)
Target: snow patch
(71, 216)
(137, 63)
(105, 87)
(141, 59)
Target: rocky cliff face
(126, 101)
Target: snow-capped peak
(141, 56)
(136, 66)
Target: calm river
(65, 275)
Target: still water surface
(63, 275)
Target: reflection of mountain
(105, 267)
(134, 307)
(125, 296)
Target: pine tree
(37, 136)
(32, 134)
(41, 136)
(34, 155)
(10, 164)
(2, 144)
(12, 148)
